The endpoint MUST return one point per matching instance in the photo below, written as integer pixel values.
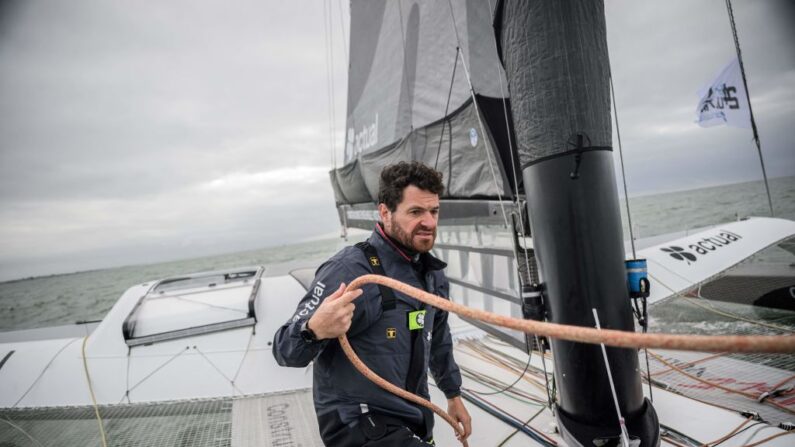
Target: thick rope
(610, 337)
(783, 344)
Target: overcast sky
(135, 132)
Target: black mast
(555, 58)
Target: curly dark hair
(395, 178)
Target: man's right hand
(333, 317)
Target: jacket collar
(384, 243)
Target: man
(398, 337)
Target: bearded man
(398, 337)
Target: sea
(88, 296)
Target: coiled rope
(609, 337)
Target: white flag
(723, 101)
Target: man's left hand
(456, 409)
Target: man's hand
(333, 317)
(456, 409)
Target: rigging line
(47, 366)
(333, 87)
(621, 423)
(127, 380)
(679, 295)
(7, 421)
(621, 154)
(444, 120)
(781, 383)
(690, 363)
(328, 85)
(673, 433)
(520, 377)
(245, 312)
(532, 376)
(248, 346)
(158, 368)
(769, 438)
(486, 140)
(93, 397)
(515, 175)
(513, 154)
(507, 122)
(527, 423)
(527, 399)
(646, 323)
(511, 368)
(670, 434)
(734, 316)
(219, 370)
(730, 434)
(342, 28)
(755, 424)
(550, 392)
(541, 436)
(405, 70)
(506, 362)
(748, 98)
(623, 172)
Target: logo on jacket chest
(391, 333)
(416, 320)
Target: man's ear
(383, 213)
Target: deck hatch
(193, 305)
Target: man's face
(414, 220)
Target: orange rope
(728, 435)
(609, 337)
(780, 384)
(769, 438)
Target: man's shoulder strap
(387, 295)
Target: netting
(274, 419)
(761, 383)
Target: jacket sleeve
(289, 349)
(442, 364)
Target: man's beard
(407, 239)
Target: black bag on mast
(555, 58)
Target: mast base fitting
(643, 428)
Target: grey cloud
(119, 117)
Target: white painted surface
(194, 367)
(697, 258)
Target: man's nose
(429, 220)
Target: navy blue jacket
(382, 339)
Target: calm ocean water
(64, 299)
